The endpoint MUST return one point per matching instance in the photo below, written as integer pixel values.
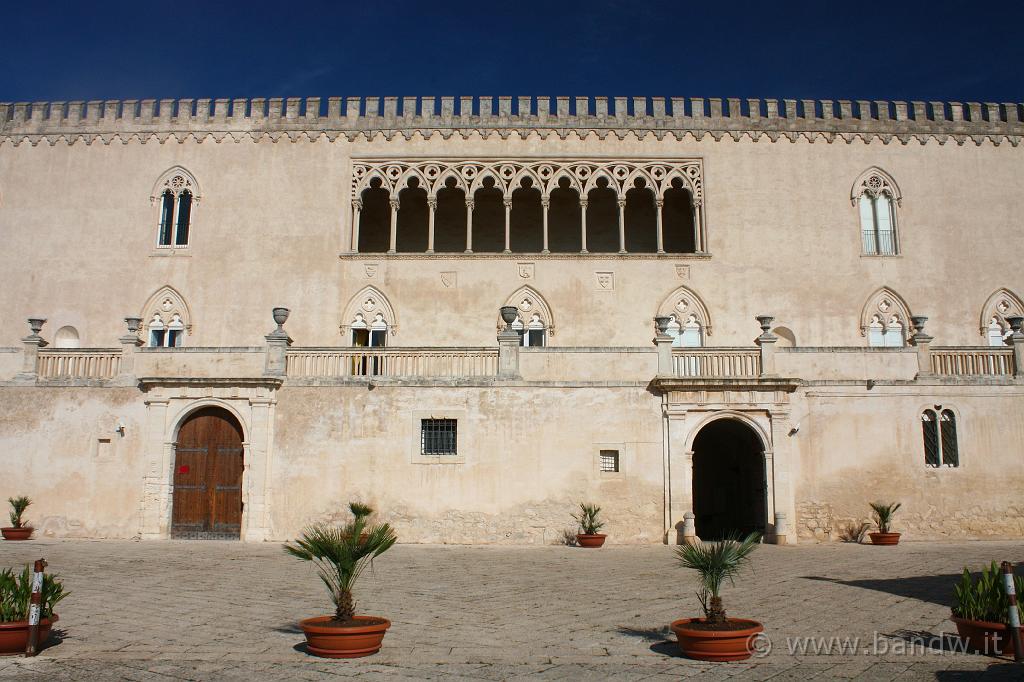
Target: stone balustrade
(966, 361)
(79, 363)
(716, 362)
(450, 363)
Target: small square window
(439, 437)
(610, 460)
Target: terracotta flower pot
(985, 637)
(885, 538)
(23, 533)
(14, 635)
(353, 641)
(595, 540)
(717, 645)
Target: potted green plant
(341, 554)
(19, 528)
(884, 514)
(15, 597)
(981, 610)
(716, 637)
(590, 525)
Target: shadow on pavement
(937, 589)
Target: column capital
(432, 203)
(470, 204)
(583, 203)
(395, 204)
(357, 204)
(621, 203)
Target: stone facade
(280, 212)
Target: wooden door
(208, 477)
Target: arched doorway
(208, 463)
(728, 480)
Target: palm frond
(716, 562)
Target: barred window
(940, 439)
(439, 437)
(609, 460)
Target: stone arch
(613, 185)
(687, 182)
(574, 182)
(478, 182)
(191, 408)
(363, 183)
(736, 415)
(730, 482)
(176, 179)
(875, 181)
(167, 302)
(368, 302)
(686, 301)
(516, 182)
(440, 184)
(1002, 303)
(787, 338)
(886, 303)
(528, 302)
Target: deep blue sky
(967, 51)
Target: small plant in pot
(981, 611)
(716, 637)
(884, 514)
(19, 528)
(590, 526)
(341, 554)
(15, 597)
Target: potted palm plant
(716, 637)
(981, 611)
(341, 554)
(19, 528)
(15, 597)
(589, 524)
(884, 514)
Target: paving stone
(228, 611)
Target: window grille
(609, 460)
(940, 439)
(439, 437)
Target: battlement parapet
(352, 116)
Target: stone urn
(509, 313)
(281, 316)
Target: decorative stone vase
(281, 316)
(885, 538)
(22, 533)
(509, 313)
(735, 644)
(354, 641)
(595, 540)
(14, 635)
(985, 637)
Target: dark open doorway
(728, 480)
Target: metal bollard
(34, 608)
(1011, 592)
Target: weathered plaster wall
(274, 217)
(50, 451)
(526, 460)
(859, 446)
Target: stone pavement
(179, 610)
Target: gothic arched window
(177, 192)
(876, 196)
(885, 320)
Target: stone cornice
(313, 119)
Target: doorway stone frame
(169, 402)
(762, 404)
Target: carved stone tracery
(469, 175)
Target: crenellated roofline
(368, 117)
